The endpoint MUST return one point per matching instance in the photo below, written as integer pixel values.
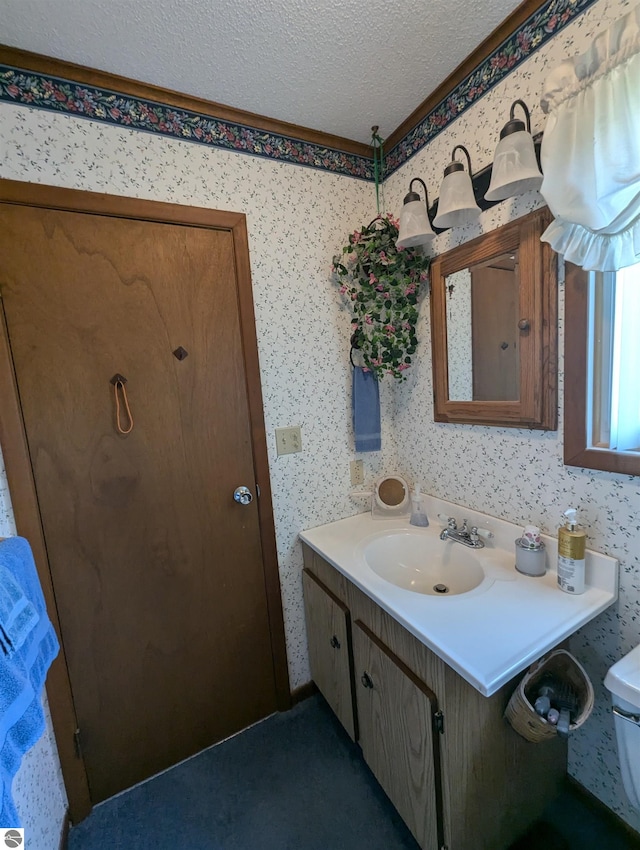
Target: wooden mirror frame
(576, 338)
(537, 406)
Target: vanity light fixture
(457, 204)
(515, 167)
(414, 226)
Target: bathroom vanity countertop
(493, 632)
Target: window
(613, 388)
(602, 359)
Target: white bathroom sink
(424, 564)
(487, 634)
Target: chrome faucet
(467, 536)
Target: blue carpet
(293, 781)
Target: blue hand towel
(22, 675)
(365, 403)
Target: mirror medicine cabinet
(494, 328)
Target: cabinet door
(396, 733)
(330, 655)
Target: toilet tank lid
(623, 679)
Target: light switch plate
(288, 440)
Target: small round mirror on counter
(391, 496)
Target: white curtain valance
(591, 151)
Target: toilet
(623, 680)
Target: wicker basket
(520, 712)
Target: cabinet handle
(335, 643)
(366, 680)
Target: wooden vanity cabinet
(458, 774)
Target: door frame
(20, 473)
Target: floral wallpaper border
(40, 91)
(30, 88)
(539, 27)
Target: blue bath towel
(365, 402)
(17, 614)
(23, 673)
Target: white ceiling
(333, 65)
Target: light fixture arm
(457, 204)
(515, 168)
(417, 196)
(526, 112)
(465, 152)
(415, 227)
(424, 186)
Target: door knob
(243, 495)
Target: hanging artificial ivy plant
(382, 284)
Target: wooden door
(158, 573)
(330, 654)
(396, 733)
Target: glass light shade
(457, 204)
(414, 228)
(515, 167)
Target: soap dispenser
(571, 549)
(418, 513)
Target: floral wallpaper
(298, 218)
(519, 475)
(65, 96)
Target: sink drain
(441, 588)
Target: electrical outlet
(288, 440)
(357, 473)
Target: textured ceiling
(332, 65)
